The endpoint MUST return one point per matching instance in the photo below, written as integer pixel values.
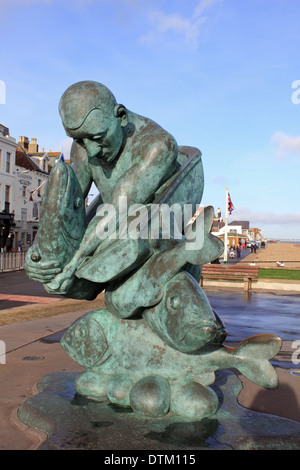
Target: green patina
(156, 346)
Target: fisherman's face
(101, 135)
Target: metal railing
(12, 261)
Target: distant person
(238, 251)
(8, 243)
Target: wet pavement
(247, 314)
(244, 314)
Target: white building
(8, 147)
(30, 183)
(22, 181)
(238, 228)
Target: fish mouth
(208, 329)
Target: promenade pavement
(32, 350)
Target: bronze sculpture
(156, 310)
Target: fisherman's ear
(121, 112)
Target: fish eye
(77, 202)
(174, 302)
(81, 331)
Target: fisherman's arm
(138, 184)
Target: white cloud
(219, 180)
(174, 22)
(205, 5)
(286, 145)
(189, 28)
(257, 218)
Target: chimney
(4, 130)
(33, 146)
(24, 142)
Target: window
(0, 159)
(7, 168)
(35, 211)
(7, 198)
(39, 184)
(23, 216)
(24, 191)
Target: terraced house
(23, 174)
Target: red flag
(32, 192)
(230, 205)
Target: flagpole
(226, 225)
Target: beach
(288, 253)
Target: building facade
(22, 182)
(29, 186)
(8, 148)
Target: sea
(283, 240)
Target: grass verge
(279, 273)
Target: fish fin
(253, 356)
(204, 247)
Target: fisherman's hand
(62, 282)
(39, 270)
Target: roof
(54, 154)
(37, 154)
(25, 161)
(244, 223)
(255, 230)
(217, 224)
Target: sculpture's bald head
(92, 118)
(80, 99)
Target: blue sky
(217, 74)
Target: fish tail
(253, 356)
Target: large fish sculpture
(61, 230)
(184, 318)
(127, 362)
(59, 237)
